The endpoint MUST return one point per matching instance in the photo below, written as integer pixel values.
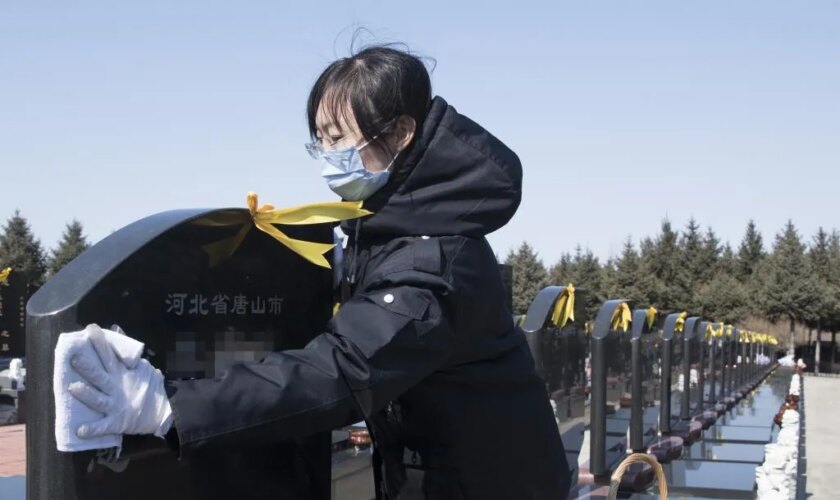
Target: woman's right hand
(133, 401)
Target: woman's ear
(403, 132)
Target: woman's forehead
(335, 113)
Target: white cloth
(787, 361)
(70, 413)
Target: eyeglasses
(316, 151)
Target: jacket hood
(456, 179)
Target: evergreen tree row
(795, 282)
(22, 251)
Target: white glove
(133, 401)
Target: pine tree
(562, 273)
(709, 256)
(834, 277)
(529, 277)
(20, 250)
(587, 274)
(72, 244)
(750, 253)
(788, 285)
(724, 299)
(609, 275)
(632, 281)
(728, 262)
(828, 304)
(691, 269)
(662, 258)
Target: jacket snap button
(388, 298)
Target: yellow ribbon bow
(4, 275)
(265, 216)
(679, 326)
(621, 318)
(651, 316)
(564, 307)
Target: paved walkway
(822, 413)
(12, 450)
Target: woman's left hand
(133, 401)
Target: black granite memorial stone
(15, 291)
(560, 353)
(643, 395)
(154, 280)
(637, 417)
(611, 333)
(604, 349)
(677, 349)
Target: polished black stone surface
(715, 479)
(617, 426)
(672, 496)
(13, 488)
(727, 452)
(197, 315)
(738, 434)
(759, 420)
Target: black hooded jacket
(424, 349)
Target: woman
(423, 347)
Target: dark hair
(380, 83)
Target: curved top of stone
(82, 274)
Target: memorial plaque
(198, 312)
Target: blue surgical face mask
(345, 173)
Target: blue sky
(622, 112)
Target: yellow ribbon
(564, 307)
(621, 318)
(679, 326)
(265, 216)
(651, 316)
(728, 330)
(4, 275)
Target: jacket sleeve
(383, 341)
